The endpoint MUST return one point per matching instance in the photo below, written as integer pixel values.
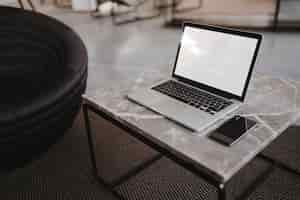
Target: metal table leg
(89, 136)
(280, 165)
(132, 172)
(222, 192)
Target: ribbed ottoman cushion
(43, 73)
(41, 60)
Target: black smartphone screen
(232, 130)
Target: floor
(143, 44)
(140, 44)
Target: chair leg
(31, 5)
(21, 4)
(276, 15)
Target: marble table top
(273, 102)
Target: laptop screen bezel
(210, 88)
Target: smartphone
(232, 130)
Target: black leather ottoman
(43, 72)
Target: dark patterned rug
(64, 172)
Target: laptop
(210, 77)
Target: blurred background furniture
(136, 12)
(63, 3)
(239, 13)
(29, 3)
(174, 6)
(43, 72)
(126, 11)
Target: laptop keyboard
(196, 98)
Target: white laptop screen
(216, 59)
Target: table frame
(219, 185)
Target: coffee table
(274, 102)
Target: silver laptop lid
(216, 59)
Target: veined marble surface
(272, 101)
